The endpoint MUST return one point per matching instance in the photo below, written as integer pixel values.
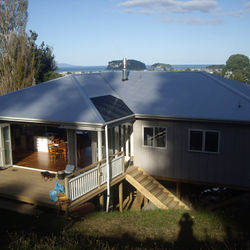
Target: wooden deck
(27, 186)
(39, 160)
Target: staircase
(152, 189)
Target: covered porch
(31, 147)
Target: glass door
(5, 146)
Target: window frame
(204, 131)
(154, 127)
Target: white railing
(81, 183)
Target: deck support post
(66, 187)
(101, 201)
(178, 190)
(121, 197)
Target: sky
(94, 32)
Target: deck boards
(26, 185)
(39, 160)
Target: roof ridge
(220, 82)
(107, 82)
(84, 96)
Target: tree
(22, 62)
(15, 51)
(237, 62)
(44, 61)
(237, 68)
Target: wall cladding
(231, 166)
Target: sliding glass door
(5, 146)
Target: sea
(86, 69)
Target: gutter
(60, 124)
(188, 119)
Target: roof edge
(194, 119)
(79, 125)
(235, 91)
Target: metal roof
(79, 98)
(195, 95)
(60, 100)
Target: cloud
(239, 13)
(174, 6)
(192, 21)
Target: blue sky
(93, 32)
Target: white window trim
(148, 126)
(203, 140)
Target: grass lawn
(158, 229)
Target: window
(155, 137)
(204, 141)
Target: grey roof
(196, 95)
(187, 95)
(60, 100)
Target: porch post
(121, 137)
(72, 153)
(132, 141)
(107, 166)
(126, 143)
(94, 146)
(116, 135)
(99, 145)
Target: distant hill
(66, 65)
(161, 67)
(131, 65)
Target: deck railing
(85, 180)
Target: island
(131, 65)
(161, 67)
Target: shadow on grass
(50, 232)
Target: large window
(155, 137)
(204, 141)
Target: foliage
(237, 62)
(15, 50)
(22, 62)
(44, 63)
(238, 68)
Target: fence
(84, 181)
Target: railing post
(99, 175)
(123, 164)
(66, 183)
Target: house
(178, 126)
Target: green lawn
(159, 229)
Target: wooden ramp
(152, 189)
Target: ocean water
(104, 68)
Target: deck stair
(152, 189)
